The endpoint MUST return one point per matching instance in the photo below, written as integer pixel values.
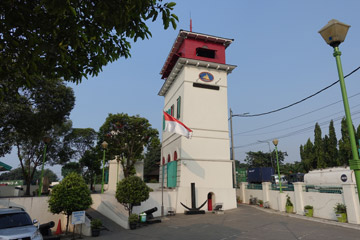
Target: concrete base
(193, 212)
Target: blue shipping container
(260, 174)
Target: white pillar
(265, 191)
(352, 203)
(112, 175)
(243, 192)
(299, 200)
(281, 201)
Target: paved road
(245, 222)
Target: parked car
(15, 223)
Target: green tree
(326, 147)
(261, 159)
(16, 174)
(307, 156)
(131, 191)
(47, 173)
(319, 148)
(345, 153)
(69, 168)
(91, 163)
(70, 195)
(332, 146)
(78, 141)
(30, 115)
(289, 168)
(128, 137)
(70, 39)
(152, 159)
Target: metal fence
(254, 186)
(284, 187)
(323, 189)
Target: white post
(299, 200)
(265, 191)
(352, 203)
(243, 192)
(281, 201)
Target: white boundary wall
(323, 203)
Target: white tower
(195, 91)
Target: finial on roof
(190, 23)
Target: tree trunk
(27, 192)
(67, 224)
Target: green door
(171, 174)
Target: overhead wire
(295, 103)
(300, 131)
(298, 116)
(292, 127)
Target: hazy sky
(280, 57)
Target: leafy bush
(70, 195)
(288, 201)
(131, 191)
(308, 207)
(260, 202)
(340, 208)
(96, 223)
(133, 218)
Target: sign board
(78, 217)
(343, 178)
(12, 182)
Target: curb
(313, 219)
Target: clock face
(206, 76)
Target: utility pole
(232, 150)
(232, 143)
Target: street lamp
(232, 142)
(104, 146)
(275, 142)
(334, 34)
(46, 141)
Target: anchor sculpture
(193, 209)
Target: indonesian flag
(175, 126)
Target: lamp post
(232, 143)
(46, 141)
(272, 164)
(275, 142)
(334, 34)
(104, 146)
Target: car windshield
(14, 220)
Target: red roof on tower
(190, 44)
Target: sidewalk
(313, 219)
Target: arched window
(175, 156)
(169, 158)
(163, 161)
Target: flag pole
(162, 192)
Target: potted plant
(133, 220)
(340, 211)
(238, 199)
(96, 225)
(309, 210)
(289, 205)
(261, 202)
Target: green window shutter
(163, 122)
(171, 174)
(178, 107)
